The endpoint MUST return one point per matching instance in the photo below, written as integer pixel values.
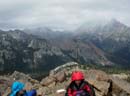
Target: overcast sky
(67, 14)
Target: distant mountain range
(113, 38)
(42, 49)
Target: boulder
(41, 91)
(121, 76)
(20, 76)
(5, 83)
(47, 81)
(51, 80)
(99, 80)
(23, 77)
(7, 92)
(119, 87)
(96, 75)
(44, 91)
(107, 85)
(60, 76)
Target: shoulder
(91, 87)
(85, 83)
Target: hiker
(78, 86)
(17, 89)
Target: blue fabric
(16, 86)
(31, 93)
(82, 93)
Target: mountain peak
(115, 23)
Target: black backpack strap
(92, 88)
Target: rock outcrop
(23, 77)
(5, 83)
(56, 83)
(107, 85)
(53, 79)
(103, 84)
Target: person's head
(77, 82)
(77, 77)
(17, 89)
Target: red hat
(77, 75)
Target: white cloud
(60, 13)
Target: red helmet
(77, 75)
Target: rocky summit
(57, 81)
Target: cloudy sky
(66, 14)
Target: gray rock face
(27, 53)
(106, 45)
(112, 38)
(37, 44)
(83, 52)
